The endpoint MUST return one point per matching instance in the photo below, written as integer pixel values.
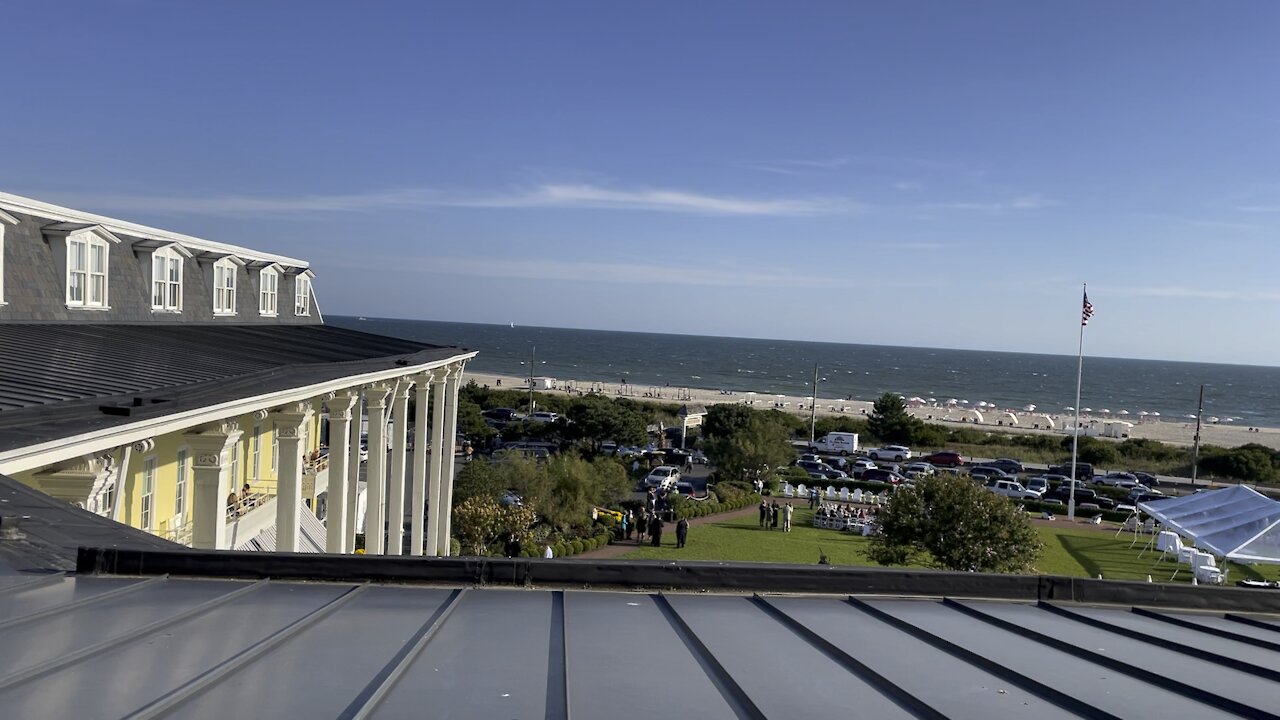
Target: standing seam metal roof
(213, 649)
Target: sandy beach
(1181, 432)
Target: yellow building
(157, 379)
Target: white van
(841, 443)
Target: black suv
(1084, 471)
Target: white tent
(1237, 523)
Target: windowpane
(99, 257)
(157, 294)
(97, 289)
(77, 256)
(76, 287)
(174, 290)
(175, 270)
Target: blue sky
(917, 173)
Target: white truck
(840, 443)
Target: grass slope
(1071, 551)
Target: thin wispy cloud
(1194, 293)
(630, 273)
(798, 167)
(1024, 202)
(562, 196)
(1259, 208)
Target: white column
(288, 422)
(437, 442)
(339, 464)
(395, 485)
(446, 481)
(353, 473)
(417, 499)
(376, 470)
(210, 484)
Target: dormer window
(166, 280)
(224, 287)
(302, 296)
(268, 293)
(88, 261)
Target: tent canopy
(1237, 523)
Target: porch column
(417, 499)
(288, 422)
(352, 481)
(339, 463)
(376, 470)
(211, 484)
(395, 484)
(451, 433)
(437, 442)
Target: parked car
(824, 469)
(663, 477)
(1146, 478)
(1012, 489)
(684, 488)
(1142, 490)
(1038, 484)
(1084, 470)
(944, 458)
(501, 414)
(543, 416)
(858, 467)
(1009, 465)
(881, 475)
(896, 453)
(1148, 497)
(364, 453)
(918, 468)
(1118, 479)
(984, 473)
(1063, 493)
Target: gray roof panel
(1109, 691)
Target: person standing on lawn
(764, 512)
(655, 530)
(786, 517)
(774, 512)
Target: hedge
(712, 508)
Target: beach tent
(1237, 523)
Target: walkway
(623, 547)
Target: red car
(944, 458)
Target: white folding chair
(1205, 569)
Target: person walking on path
(655, 530)
(764, 512)
(786, 517)
(642, 526)
(682, 532)
(628, 524)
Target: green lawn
(1072, 551)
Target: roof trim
(29, 206)
(67, 229)
(74, 446)
(7, 218)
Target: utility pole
(533, 353)
(813, 404)
(1195, 453)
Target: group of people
(771, 513)
(649, 522)
(832, 510)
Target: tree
(953, 523)
(596, 419)
(750, 451)
(889, 421)
(482, 521)
(724, 420)
(472, 423)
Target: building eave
(43, 454)
(28, 206)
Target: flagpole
(1075, 438)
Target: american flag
(1087, 312)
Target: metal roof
(41, 534)
(109, 647)
(60, 379)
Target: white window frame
(87, 272)
(224, 294)
(268, 292)
(184, 476)
(5, 220)
(275, 455)
(166, 279)
(257, 451)
(147, 517)
(302, 296)
(235, 468)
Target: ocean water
(1248, 394)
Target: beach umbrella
(964, 402)
(932, 400)
(1086, 409)
(1105, 411)
(1228, 419)
(1144, 413)
(1191, 415)
(1154, 414)
(1122, 412)
(1211, 419)
(1069, 409)
(1029, 408)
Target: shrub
(579, 547)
